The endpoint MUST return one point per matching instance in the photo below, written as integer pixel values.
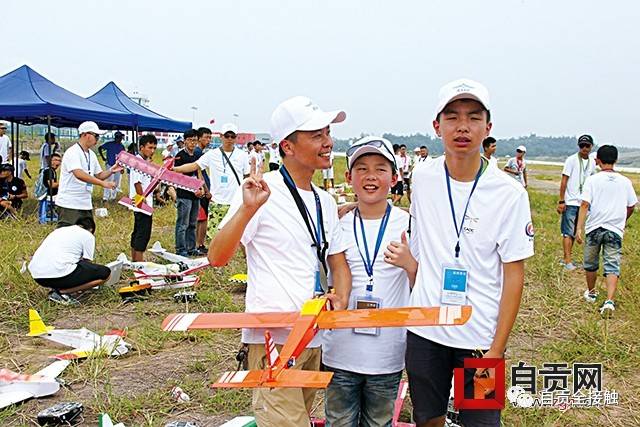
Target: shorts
(327, 173)
(430, 370)
(67, 217)
(611, 245)
(204, 203)
(141, 231)
(216, 214)
(283, 407)
(85, 272)
(569, 221)
(398, 188)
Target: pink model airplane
(159, 174)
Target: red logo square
(479, 400)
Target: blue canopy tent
(27, 97)
(144, 119)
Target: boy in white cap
(516, 166)
(79, 172)
(367, 363)
(475, 256)
(292, 236)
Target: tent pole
(48, 142)
(16, 150)
(13, 142)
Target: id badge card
(224, 180)
(367, 302)
(89, 188)
(455, 280)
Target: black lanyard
(453, 210)
(318, 237)
(87, 157)
(369, 262)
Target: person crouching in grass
(367, 363)
(138, 182)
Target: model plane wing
(395, 317)
(188, 321)
(286, 378)
(132, 161)
(157, 249)
(54, 369)
(161, 173)
(179, 180)
(9, 398)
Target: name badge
(89, 188)
(454, 285)
(224, 180)
(367, 302)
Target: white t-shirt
(223, 181)
(73, 193)
(519, 167)
(497, 230)
(143, 179)
(44, 153)
(281, 263)
(405, 164)
(400, 165)
(259, 159)
(368, 354)
(274, 155)
(22, 165)
(608, 194)
(578, 170)
(166, 154)
(5, 147)
(493, 160)
(60, 251)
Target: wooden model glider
(162, 276)
(84, 342)
(15, 388)
(305, 324)
(158, 174)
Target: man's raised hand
(255, 191)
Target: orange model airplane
(313, 317)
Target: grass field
(554, 325)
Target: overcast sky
(552, 67)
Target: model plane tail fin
(36, 325)
(286, 379)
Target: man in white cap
(6, 149)
(227, 166)
(292, 236)
(79, 172)
(475, 256)
(517, 167)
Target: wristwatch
(561, 202)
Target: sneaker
(607, 308)
(202, 250)
(63, 299)
(590, 296)
(570, 266)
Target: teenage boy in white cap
(577, 168)
(475, 256)
(227, 166)
(608, 200)
(368, 363)
(292, 236)
(79, 172)
(516, 166)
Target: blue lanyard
(453, 210)
(87, 157)
(368, 262)
(318, 237)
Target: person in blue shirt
(111, 149)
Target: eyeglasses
(230, 135)
(584, 144)
(95, 135)
(519, 151)
(375, 143)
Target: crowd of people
(463, 240)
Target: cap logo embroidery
(463, 88)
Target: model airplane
(104, 420)
(161, 276)
(159, 174)
(16, 387)
(84, 342)
(313, 317)
(186, 264)
(239, 278)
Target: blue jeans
(568, 221)
(354, 400)
(186, 225)
(611, 245)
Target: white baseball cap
(462, 89)
(521, 148)
(229, 127)
(300, 113)
(90, 127)
(369, 145)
